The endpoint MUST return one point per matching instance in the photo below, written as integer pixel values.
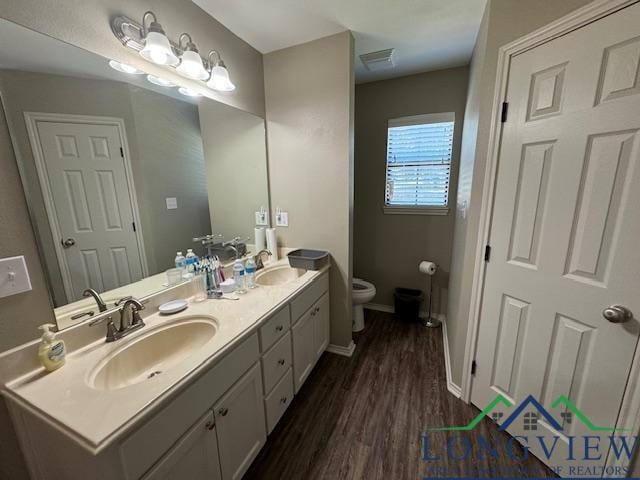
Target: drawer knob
(281, 361)
(223, 412)
(317, 309)
(279, 328)
(283, 400)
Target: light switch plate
(172, 203)
(282, 219)
(262, 218)
(14, 277)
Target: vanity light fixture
(188, 92)
(157, 48)
(190, 62)
(124, 68)
(219, 79)
(160, 81)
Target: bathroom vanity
(191, 395)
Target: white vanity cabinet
(194, 456)
(215, 424)
(240, 425)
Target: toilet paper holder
(429, 268)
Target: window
(419, 164)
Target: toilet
(362, 292)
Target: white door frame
(31, 120)
(629, 416)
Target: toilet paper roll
(427, 267)
(272, 244)
(260, 238)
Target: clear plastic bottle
(190, 262)
(238, 276)
(250, 268)
(180, 262)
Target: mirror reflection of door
(87, 190)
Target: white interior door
(92, 205)
(564, 234)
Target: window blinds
(419, 162)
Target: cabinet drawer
(278, 401)
(276, 362)
(149, 442)
(275, 328)
(308, 297)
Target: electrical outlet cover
(282, 219)
(262, 218)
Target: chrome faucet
(258, 258)
(90, 292)
(130, 319)
(233, 245)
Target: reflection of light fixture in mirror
(157, 48)
(124, 68)
(160, 81)
(219, 75)
(190, 62)
(188, 92)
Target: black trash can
(407, 302)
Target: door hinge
(503, 114)
(487, 253)
(473, 367)
(121, 152)
(134, 226)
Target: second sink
(278, 275)
(152, 354)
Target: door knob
(617, 314)
(69, 242)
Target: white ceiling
(426, 34)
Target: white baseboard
(340, 350)
(454, 389)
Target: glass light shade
(124, 68)
(191, 66)
(158, 50)
(188, 92)
(160, 81)
(220, 79)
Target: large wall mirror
(120, 172)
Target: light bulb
(191, 66)
(220, 79)
(158, 50)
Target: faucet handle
(122, 300)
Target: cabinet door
(194, 456)
(322, 318)
(304, 351)
(240, 424)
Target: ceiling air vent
(379, 60)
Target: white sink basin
(152, 354)
(278, 275)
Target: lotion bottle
(51, 351)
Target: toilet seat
(362, 291)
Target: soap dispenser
(51, 351)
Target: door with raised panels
(91, 204)
(564, 236)
(241, 424)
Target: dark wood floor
(365, 416)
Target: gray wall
(309, 101)
(171, 164)
(86, 24)
(163, 135)
(388, 248)
(503, 21)
(236, 168)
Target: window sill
(439, 211)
